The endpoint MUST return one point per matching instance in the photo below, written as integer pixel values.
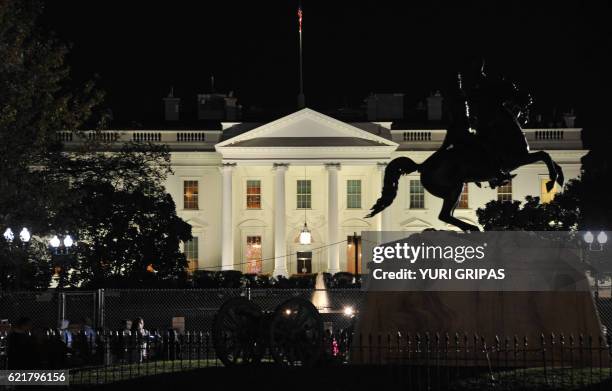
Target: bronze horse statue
(496, 148)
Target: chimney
(232, 108)
(172, 106)
(434, 107)
(569, 119)
(371, 107)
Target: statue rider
(476, 110)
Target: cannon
(293, 334)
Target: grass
(121, 372)
(513, 379)
(539, 379)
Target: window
(253, 254)
(464, 199)
(190, 195)
(504, 192)
(253, 191)
(545, 196)
(304, 194)
(191, 253)
(417, 194)
(353, 194)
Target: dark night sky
(559, 52)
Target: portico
(318, 151)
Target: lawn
(540, 379)
(122, 372)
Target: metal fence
(426, 361)
(604, 308)
(106, 308)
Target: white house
(247, 189)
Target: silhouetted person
(22, 350)
(141, 336)
(126, 327)
(120, 344)
(85, 342)
(65, 333)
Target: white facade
(307, 145)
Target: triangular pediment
(415, 224)
(306, 128)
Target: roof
(306, 142)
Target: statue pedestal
(493, 325)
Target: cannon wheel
(296, 333)
(235, 332)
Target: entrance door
(350, 254)
(304, 262)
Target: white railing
(187, 137)
(140, 137)
(417, 135)
(566, 138)
(549, 134)
(420, 139)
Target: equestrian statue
(484, 142)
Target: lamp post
(61, 247)
(600, 239)
(60, 250)
(21, 241)
(595, 244)
(24, 236)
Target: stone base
(538, 316)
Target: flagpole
(301, 97)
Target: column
(384, 221)
(280, 224)
(333, 251)
(227, 225)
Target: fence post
(100, 312)
(61, 313)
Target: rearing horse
(500, 147)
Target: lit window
(463, 199)
(253, 200)
(304, 194)
(504, 192)
(353, 194)
(417, 194)
(253, 254)
(191, 253)
(190, 194)
(545, 196)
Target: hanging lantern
(305, 235)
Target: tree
(124, 220)
(563, 213)
(35, 102)
(110, 197)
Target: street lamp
(9, 236)
(24, 235)
(590, 239)
(602, 238)
(24, 238)
(68, 242)
(56, 244)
